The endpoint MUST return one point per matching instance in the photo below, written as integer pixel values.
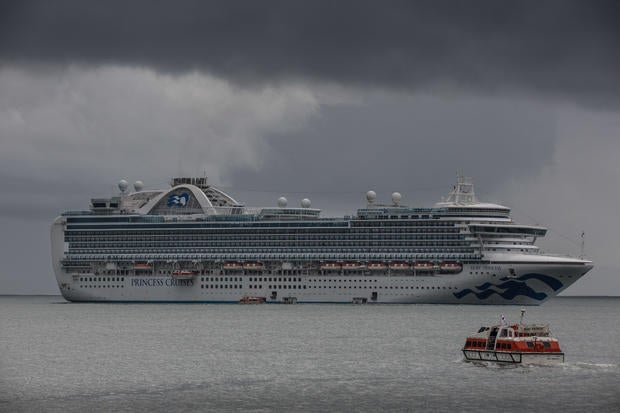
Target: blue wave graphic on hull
(512, 287)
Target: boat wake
(591, 366)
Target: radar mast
(463, 191)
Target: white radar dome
(282, 202)
(396, 197)
(123, 185)
(371, 196)
(305, 203)
(138, 186)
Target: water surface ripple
(58, 356)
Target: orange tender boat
(252, 300)
(514, 344)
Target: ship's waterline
(194, 243)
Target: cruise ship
(195, 243)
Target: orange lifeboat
(232, 265)
(451, 267)
(253, 265)
(183, 274)
(352, 266)
(513, 344)
(377, 266)
(399, 266)
(423, 266)
(330, 266)
(252, 300)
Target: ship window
(530, 344)
(547, 344)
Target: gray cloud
(406, 144)
(562, 49)
(80, 131)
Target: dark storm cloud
(564, 49)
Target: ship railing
(74, 213)
(274, 256)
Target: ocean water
(65, 357)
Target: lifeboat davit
(183, 274)
(399, 266)
(513, 344)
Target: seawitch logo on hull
(512, 288)
(160, 282)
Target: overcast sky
(316, 99)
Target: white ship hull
(531, 284)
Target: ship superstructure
(195, 243)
